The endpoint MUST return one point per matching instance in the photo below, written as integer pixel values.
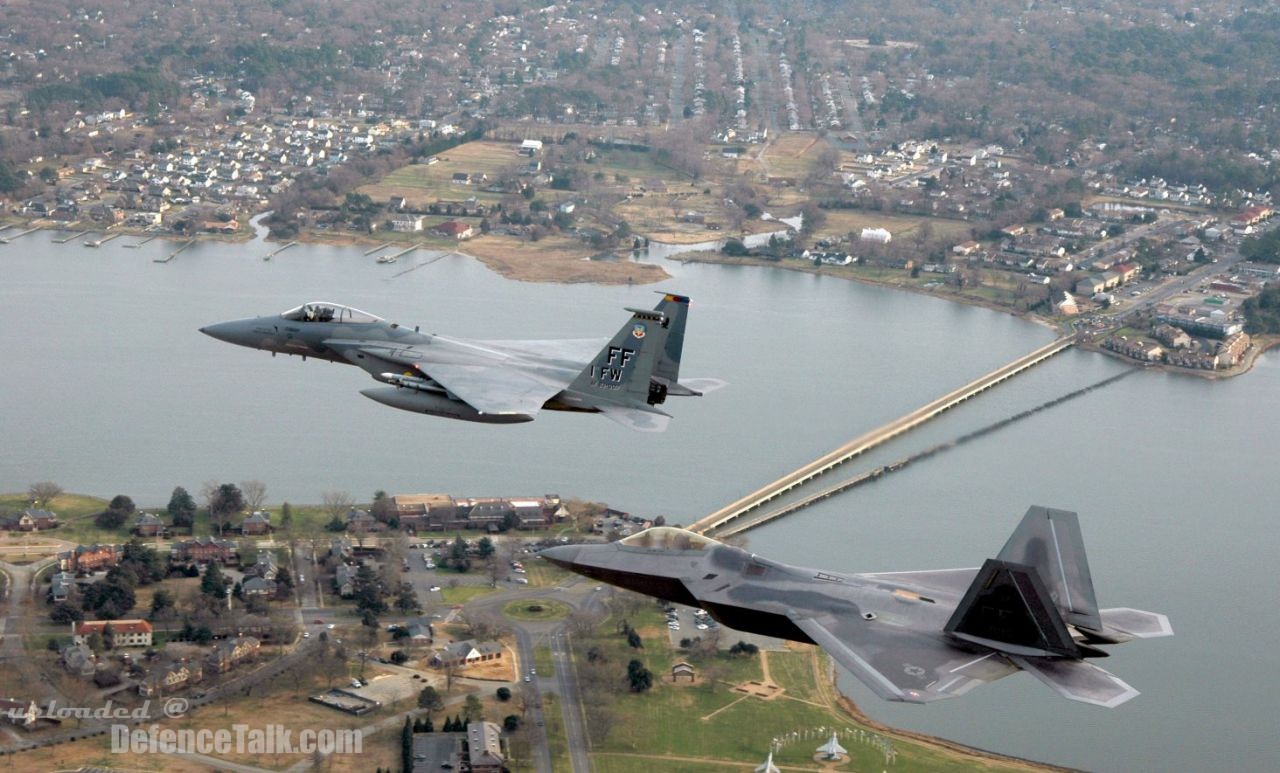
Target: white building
(878, 235)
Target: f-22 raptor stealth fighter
(910, 636)
(495, 382)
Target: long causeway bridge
(875, 437)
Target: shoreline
(1262, 343)
(847, 705)
(586, 270)
(725, 260)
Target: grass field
(542, 661)
(556, 258)
(708, 726)
(843, 221)
(422, 184)
(546, 609)
(464, 593)
(543, 574)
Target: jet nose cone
(236, 332)
(564, 556)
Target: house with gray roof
(466, 653)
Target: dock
(875, 437)
(72, 237)
(141, 242)
(379, 248)
(280, 249)
(18, 235)
(106, 238)
(396, 256)
(174, 254)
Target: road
(20, 589)
(537, 733)
(575, 726)
(576, 593)
(1169, 291)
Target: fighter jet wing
(577, 350)
(901, 664)
(492, 388)
(943, 582)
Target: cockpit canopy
(323, 311)
(668, 538)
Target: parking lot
(689, 620)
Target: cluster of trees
(114, 595)
(1262, 249)
(633, 636)
(639, 678)
(141, 89)
(1262, 312)
(222, 501)
(119, 510)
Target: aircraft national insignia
(637, 331)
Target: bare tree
(336, 503)
(43, 492)
(450, 669)
(255, 493)
(208, 491)
(493, 567)
(581, 623)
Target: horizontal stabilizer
(633, 418)
(695, 387)
(1079, 680)
(1135, 623)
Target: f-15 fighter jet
(497, 382)
(909, 636)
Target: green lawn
(542, 574)
(75, 514)
(464, 593)
(716, 728)
(542, 661)
(557, 740)
(546, 610)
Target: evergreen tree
(214, 583)
(181, 508)
(406, 746)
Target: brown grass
(840, 222)
(556, 259)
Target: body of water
(109, 388)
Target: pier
(396, 256)
(863, 443)
(106, 238)
(141, 242)
(18, 235)
(174, 254)
(279, 250)
(72, 237)
(379, 248)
